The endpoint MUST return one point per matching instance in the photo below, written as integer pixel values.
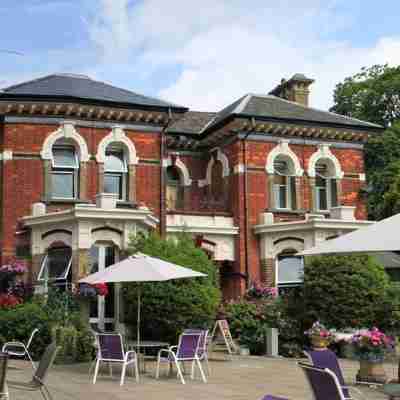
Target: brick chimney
(295, 89)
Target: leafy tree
(374, 95)
(171, 306)
(345, 291)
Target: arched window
(64, 171)
(326, 195)
(174, 195)
(284, 184)
(115, 172)
(290, 269)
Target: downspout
(163, 215)
(246, 206)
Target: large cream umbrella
(141, 268)
(381, 237)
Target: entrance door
(102, 308)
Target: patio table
(142, 346)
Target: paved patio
(243, 378)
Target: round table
(392, 390)
(142, 346)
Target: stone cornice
(305, 225)
(92, 212)
(81, 111)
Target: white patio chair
(111, 350)
(19, 349)
(187, 350)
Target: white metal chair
(111, 350)
(19, 349)
(187, 350)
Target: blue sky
(200, 54)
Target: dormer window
(284, 186)
(65, 172)
(115, 173)
(326, 195)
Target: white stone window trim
(117, 135)
(283, 149)
(324, 153)
(185, 176)
(65, 131)
(225, 168)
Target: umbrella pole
(138, 319)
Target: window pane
(56, 264)
(334, 196)
(293, 199)
(281, 167)
(62, 185)
(64, 157)
(113, 184)
(290, 270)
(322, 199)
(282, 197)
(114, 161)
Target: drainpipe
(163, 214)
(246, 206)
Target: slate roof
(80, 87)
(276, 108)
(192, 122)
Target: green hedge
(345, 291)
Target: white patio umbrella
(141, 268)
(381, 237)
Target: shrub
(18, 323)
(169, 307)
(345, 291)
(247, 323)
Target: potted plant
(371, 347)
(319, 335)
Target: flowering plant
(9, 300)
(372, 344)
(13, 268)
(86, 290)
(258, 291)
(319, 330)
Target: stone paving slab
(243, 378)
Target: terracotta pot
(319, 342)
(371, 371)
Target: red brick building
(84, 164)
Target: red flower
(9, 300)
(102, 289)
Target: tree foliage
(374, 95)
(371, 95)
(345, 291)
(171, 306)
